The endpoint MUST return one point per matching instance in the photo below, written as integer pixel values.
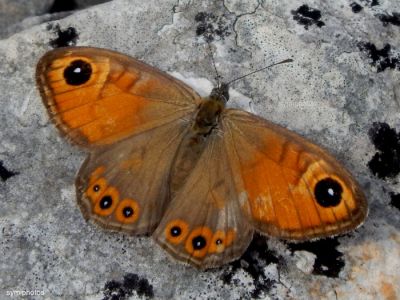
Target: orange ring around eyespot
(60, 64)
(111, 192)
(127, 203)
(96, 189)
(184, 230)
(219, 235)
(96, 174)
(205, 235)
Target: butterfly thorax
(209, 110)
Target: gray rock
(14, 11)
(19, 15)
(342, 80)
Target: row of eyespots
(106, 200)
(201, 240)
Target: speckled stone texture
(342, 91)
(13, 12)
(16, 15)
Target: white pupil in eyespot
(331, 192)
(77, 70)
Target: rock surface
(16, 15)
(342, 92)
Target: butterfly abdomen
(195, 141)
(185, 160)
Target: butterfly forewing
(290, 187)
(99, 97)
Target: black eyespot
(328, 192)
(199, 242)
(78, 72)
(96, 188)
(128, 211)
(106, 202)
(218, 242)
(176, 231)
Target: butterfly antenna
(213, 62)
(278, 63)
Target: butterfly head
(220, 93)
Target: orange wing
(98, 97)
(287, 186)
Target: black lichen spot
(355, 7)
(395, 200)
(328, 192)
(106, 202)
(78, 72)
(140, 285)
(393, 19)
(176, 231)
(65, 38)
(5, 173)
(253, 261)
(307, 16)
(329, 261)
(381, 59)
(115, 290)
(210, 26)
(62, 5)
(371, 3)
(386, 162)
(199, 242)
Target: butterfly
(198, 176)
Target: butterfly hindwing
(203, 225)
(125, 186)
